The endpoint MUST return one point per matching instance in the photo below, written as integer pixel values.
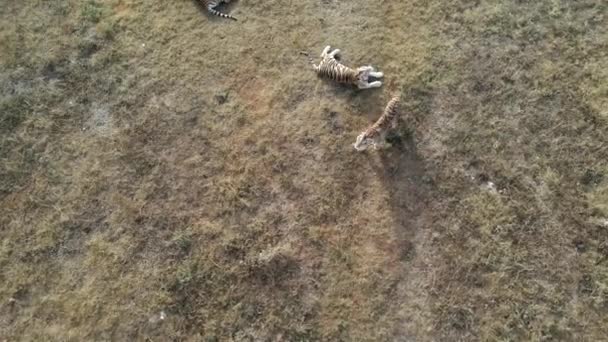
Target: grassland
(167, 175)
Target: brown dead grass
(154, 159)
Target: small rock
(157, 318)
(221, 99)
(580, 246)
(490, 186)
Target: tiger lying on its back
(212, 4)
(329, 67)
(375, 135)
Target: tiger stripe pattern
(212, 4)
(375, 135)
(331, 68)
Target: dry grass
(156, 160)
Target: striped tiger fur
(375, 135)
(331, 68)
(212, 4)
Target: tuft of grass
(598, 199)
(13, 111)
(185, 274)
(92, 11)
(183, 241)
(108, 29)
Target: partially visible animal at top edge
(375, 135)
(212, 4)
(331, 68)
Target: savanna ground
(167, 175)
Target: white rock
(490, 186)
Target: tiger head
(363, 74)
(364, 141)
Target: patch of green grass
(92, 11)
(598, 199)
(61, 8)
(183, 241)
(13, 111)
(108, 29)
(17, 163)
(488, 213)
(185, 274)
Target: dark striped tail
(220, 14)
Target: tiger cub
(375, 134)
(212, 4)
(330, 68)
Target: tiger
(331, 68)
(375, 135)
(212, 4)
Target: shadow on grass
(403, 174)
(402, 170)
